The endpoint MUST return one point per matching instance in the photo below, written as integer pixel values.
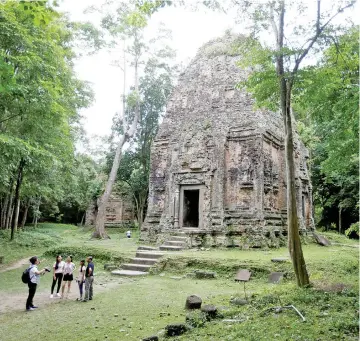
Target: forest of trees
(43, 176)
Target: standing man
(34, 279)
(89, 279)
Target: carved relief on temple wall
(240, 174)
(158, 176)
(273, 195)
(196, 152)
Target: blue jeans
(81, 285)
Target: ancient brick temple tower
(217, 165)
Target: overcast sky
(189, 29)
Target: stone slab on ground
(280, 260)
(321, 240)
(128, 273)
(243, 275)
(275, 277)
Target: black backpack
(25, 277)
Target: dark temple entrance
(191, 208)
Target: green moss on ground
(141, 307)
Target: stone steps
(178, 234)
(174, 243)
(170, 248)
(129, 273)
(152, 255)
(143, 261)
(136, 267)
(179, 239)
(140, 265)
(147, 248)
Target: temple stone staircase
(175, 243)
(140, 265)
(147, 256)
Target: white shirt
(69, 268)
(34, 278)
(60, 268)
(81, 275)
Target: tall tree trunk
(82, 219)
(9, 212)
(8, 203)
(128, 133)
(340, 209)
(36, 213)
(16, 214)
(26, 210)
(285, 85)
(3, 211)
(17, 199)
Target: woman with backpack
(69, 267)
(58, 268)
(33, 281)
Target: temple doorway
(191, 208)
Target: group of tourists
(63, 275)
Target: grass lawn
(131, 309)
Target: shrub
(31, 239)
(353, 231)
(80, 252)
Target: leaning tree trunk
(285, 87)
(128, 133)
(295, 249)
(17, 199)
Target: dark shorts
(68, 277)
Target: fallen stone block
(107, 265)
(193, 302)
(238, 301)
(279, 260)
(210, 310)
(151, 338)
(112, 267)
(175, 329)
(205, 274)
